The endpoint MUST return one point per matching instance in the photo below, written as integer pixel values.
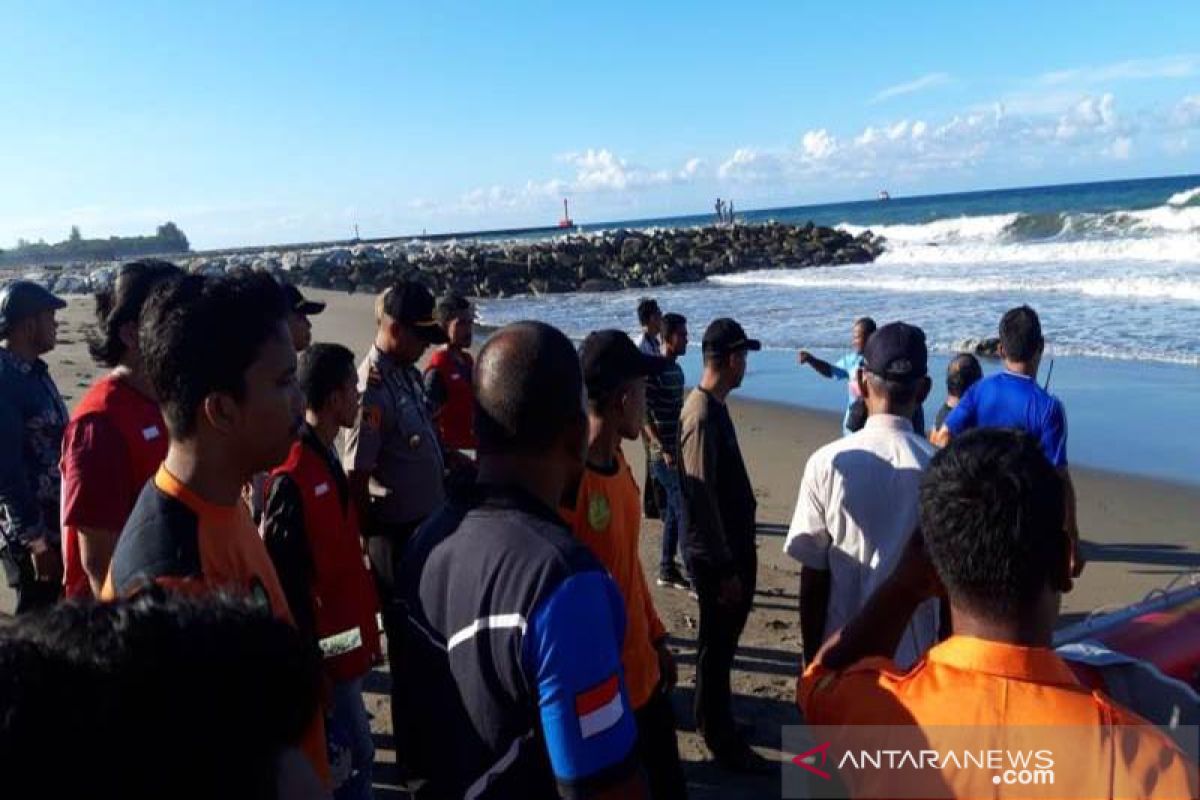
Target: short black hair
(200, 335)
(323, 369)
(963, 372)
(449, 306)
(183, 683)
(672, 322)
(867, 324)
(528, 389)
(123, 302)
(647, 308)
(1021, 334)
(992, 515)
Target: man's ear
(221, 411)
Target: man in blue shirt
(845, 368)
(510, 683)
(1013, 399)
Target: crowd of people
(225, 562)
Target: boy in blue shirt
(1013, 399)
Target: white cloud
(818, 145)
(1164, 68)
(1091, 115)
(931, 80)
(752, 166)
(1120, 148)
(1186, 113)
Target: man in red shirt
(448, 379)
(116, 438)
(310, 526)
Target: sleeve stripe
(485, 623)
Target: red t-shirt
(114, 443)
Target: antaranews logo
(909, 761)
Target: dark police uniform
(511, 685)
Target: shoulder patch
(599, 512)
(372, 417)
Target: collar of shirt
(173, 487)
(508, 497)
(1012, 374)
(24, 367)
(888, 422)
(1034, 664)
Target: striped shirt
(664, 402)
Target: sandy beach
(1140, 534)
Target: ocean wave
(1181, 214)
(1177, 289)
(1187, 197)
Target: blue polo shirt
(1009, 400)
(844, 369)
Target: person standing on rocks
(845, 368)
(32, 419)
(117, 438)
(604, 515)
(511, 685)
(664, 403)
(857, 504)
(650, 343)
(719, 542)
(392, 457)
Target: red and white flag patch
(599, 708)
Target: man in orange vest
(605, 514)
(221, 360)
(311, 529)
(116, 438)
(992, 539)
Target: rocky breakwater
(603, 261)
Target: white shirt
(856, 510)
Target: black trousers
(658, 748)
(384, 550)
(32, 594)
(720, 628)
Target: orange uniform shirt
(1003, 692)
(179, 540)
(608, 518)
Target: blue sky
(252, 123)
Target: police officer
(392, 457)
(32, 419)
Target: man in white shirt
(858, 498)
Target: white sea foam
(1185, 197)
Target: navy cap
(725, 336)
(299, 303)
(897, 351)
(610, 358)
(21, 300)
(410, 303)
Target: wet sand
(1140, 535)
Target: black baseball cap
(22, 299)
(610, 359)
(410, 303)
(298, 303)
(897, 352)
(724, 336)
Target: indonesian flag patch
(599, 708)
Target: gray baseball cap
(21, 300)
